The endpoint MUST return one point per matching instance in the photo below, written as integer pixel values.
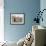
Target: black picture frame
(19, 18)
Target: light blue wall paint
(43, 6)
(29, 7)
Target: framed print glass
(17, 18)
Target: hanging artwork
(17, 18)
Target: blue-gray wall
(43, 6)
(29, 7)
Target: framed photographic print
(17, 18)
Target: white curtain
(1, 20)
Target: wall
(43, 6)
(29, 7)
